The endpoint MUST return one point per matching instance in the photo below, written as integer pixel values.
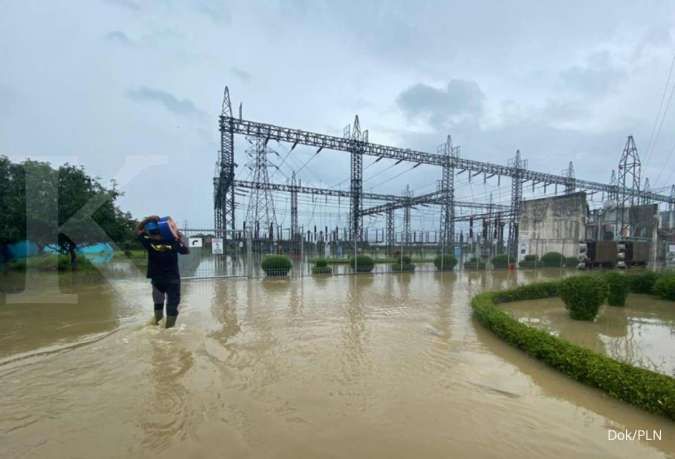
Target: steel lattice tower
(518, 164)
(295, 229)
(391, 236)
(406, 217)
(357, 139)
(447, 186)
(261, 204)
(224, 180)
(570, 186)
(628, 180)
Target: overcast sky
(100, 81)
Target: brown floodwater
(642, 333)
(367, 366)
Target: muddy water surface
(383, 366)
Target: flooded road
(371, 366)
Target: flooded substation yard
(365, 366)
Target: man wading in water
(163, 264)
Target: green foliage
(475, 264)
(530, 261)
(321, 263)
(643, 388)
(51, 262)
(552, 260)
(445, 262)
(571, 262)
(276, 265)
(617, 285)
(362, 263)
(34, 188)
(403, 264)
(322, 270)
(583, 296)
(643, 282)
(528, 292)
(500, 261)
(665, 287)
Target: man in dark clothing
(163, 267)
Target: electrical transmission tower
(261, 204)
(519, 165)
(223, 193)
(447, 187)
(570, 186)
(628, 182)
(358, 138)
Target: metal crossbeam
(299, 136)
(437, 197)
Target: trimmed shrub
(530, 261)
(617, 288)
(552, 260)
(445, 262)
(362, 263)
(643, 282)
(583, 296)
(276, 265)
(475, 264)
(646, 389)
(571, 262)
(321, 267)
(500, 261)
(403, 264)
(665, 287)
(51, 262)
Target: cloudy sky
(104, 82)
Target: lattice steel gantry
(447, 188)
(224, 183)
(519, 165)
(628, 178)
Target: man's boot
(170, 321)
(159, 315)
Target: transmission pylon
(646, 189)
(570, 185)
(406, 217)
(628, 180)
(294, 208)
(519, 165)
(358, 138)
(261, 204)
(447, 186)
(223, 195)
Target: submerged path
(348, 366)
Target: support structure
(447, 188)
(518, 165)
(628, 178)
(406, 218)
(356, 186)
(391, 236)
(224, 183)
(260, 208)
(294, 209)
(570, 186)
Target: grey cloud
(216, 11)
(460, 98)
(243, 75)
(117, 36)
(129, 4)
(167, 100)
(596, 78)
(558, 110)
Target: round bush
(583, 296)
(617, 285)
(475, 264)
(322, 269)
(445, 262)
(362, 264)
(321, 263)
(552, 259)
(643, 282)
(276, 265)
(665, 287)
(500, 261)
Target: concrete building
(554, 224)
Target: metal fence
(241, 254)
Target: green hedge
(276, 265)
(643, 282)
(321, 263)
(552, 260)
(665, 287)
(617, 285)
(322, 270)
(475, 264)
(643, 388)
(583, 296)
(445, 262)
(500, 261)
(362, 263)
(51, 262)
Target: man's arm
(181, 244)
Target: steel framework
(628, 177)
